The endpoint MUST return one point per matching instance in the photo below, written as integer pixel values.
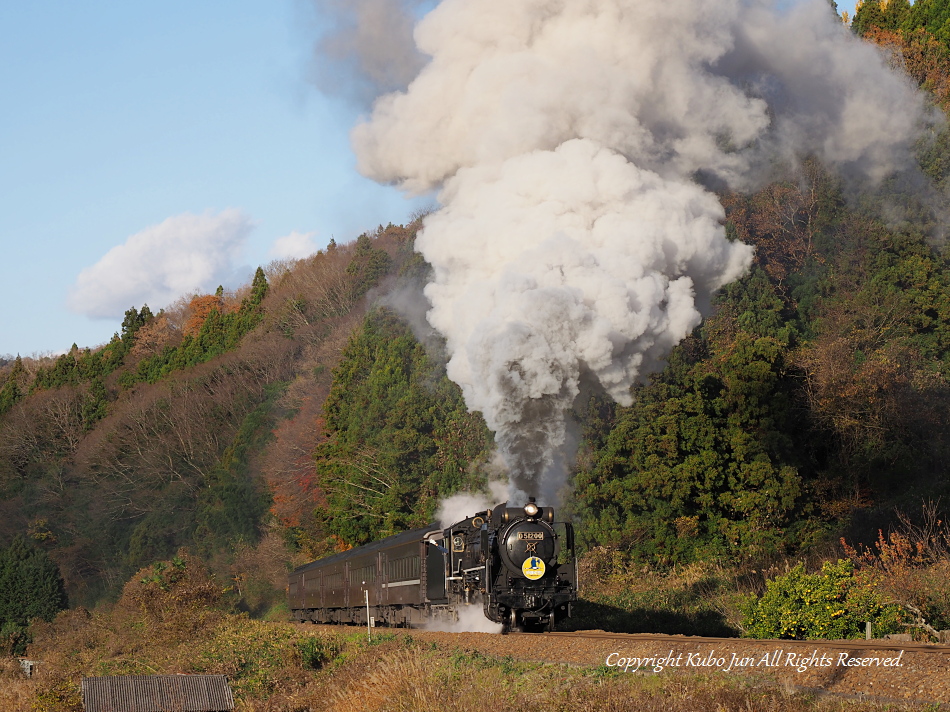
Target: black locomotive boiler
(517, 563)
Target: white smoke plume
(460, 506)
(573, 144)
(367, 48)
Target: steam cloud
(368, 47)
(574, 145)
(457, 507)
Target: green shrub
(254, 655)
(316, 652)
(834, 603)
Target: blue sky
(848, 7)
(119, 117)
(127, 126)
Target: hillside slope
(194, 427)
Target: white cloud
(294, 246)
(156, 266)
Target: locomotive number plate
(531, 536)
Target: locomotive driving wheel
(513, 623)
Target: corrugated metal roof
(157, 693)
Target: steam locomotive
(517, 563)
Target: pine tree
(258, 287)
(868, 15)
(30, 587)
(10, 393)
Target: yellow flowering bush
(834, 603)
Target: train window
(364, 574)
(404, 569)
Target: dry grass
(698, 599)
(418, 680)
(167, 623)
(393, 674)
(909, 565)
(16, 691)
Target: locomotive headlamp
(531, 509)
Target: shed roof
(157, 693)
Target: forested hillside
(193, 427)
(305, 414)
(809, 406)
(309, 411)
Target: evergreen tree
(96, 404)
(133, 321)
(868, 15)
(10, 393)
(258, 287)
(931, 15)
(30, 587)
(897, 14)
(401, 435)
(704, 463)
(368, 266)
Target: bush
(174, 598)
(316, 652)
(912, 564)
(834, 603)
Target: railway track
(600, 635)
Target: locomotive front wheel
(511, 623)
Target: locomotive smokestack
(575, 245)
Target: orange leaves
(289, 467)
(780, 221)
(201, 307)
(920, 55)
(152, 337)
(910, 546)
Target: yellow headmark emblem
(533, 568)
